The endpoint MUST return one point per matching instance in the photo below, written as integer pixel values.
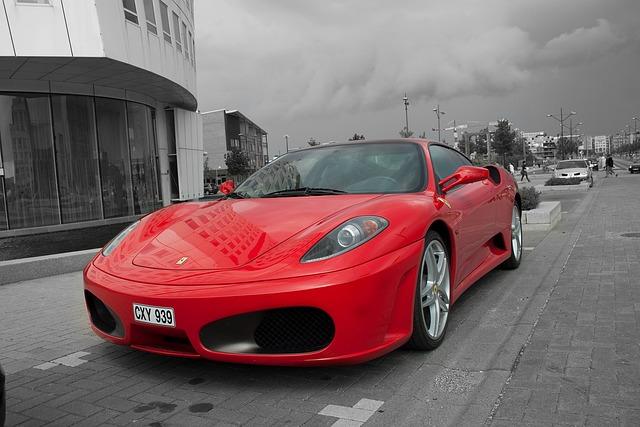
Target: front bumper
(370, 305)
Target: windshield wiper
(236, 195)
(304, 191)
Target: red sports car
(333, 254)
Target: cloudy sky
(326, 69)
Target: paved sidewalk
(582, 363)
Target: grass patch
(529, 198)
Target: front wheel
(516, 240)
(433, 292)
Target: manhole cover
(632, 235)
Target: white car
(577, 168)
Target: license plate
(161, 316)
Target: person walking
(512, 169)
(609, 166)
(523, 172)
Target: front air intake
(102, 317)
(276, 331)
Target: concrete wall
(190, 154)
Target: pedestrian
(512, 169)
(523, 172)
(609, 165)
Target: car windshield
(572, 164)
(336, 169)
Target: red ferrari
(333, 254)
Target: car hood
(233, 232)
(571, 171)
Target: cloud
(580, 45)
(299, 59)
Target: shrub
(563, 181)
(529, 198)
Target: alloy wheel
(516, 233)
(435, 289)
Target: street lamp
(406, 114)
(561, 120)
(438, 114)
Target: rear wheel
(433, 292)
(516, 240)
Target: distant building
(601, 144)
(98, 119)
(224, 129)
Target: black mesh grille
(294, 330)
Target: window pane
(33, 1)
(141, 146)
(76, 157)
(445, 161)
(176, 31)
(3, 212)
(186, 41)
(130, 13)
(164, 13)
(129, 5)
(114, 158)
(27, 154)
(150, 16)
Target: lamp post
(561, 120)
(406, 114)
(286, 142)
(438, 114)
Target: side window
(446, 161)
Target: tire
(516, 241)
(434, 271)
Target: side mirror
(227, 187)
(464, 175)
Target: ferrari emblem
(182, 260)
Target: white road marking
(528, 248)
(71, 360)
(354, 416)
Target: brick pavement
(458, 384)
(582, 364)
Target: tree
(566, 147)
(503, 140)
(406, 133)
(356, 137)
(312, 142)
(237, 162)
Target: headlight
(113, 244)
(347, 236)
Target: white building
(601, 144)
(98, 119)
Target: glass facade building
(73, 158)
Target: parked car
(328, 255)
(577, 168)
(634, 167)
(210, 188)
(3, 398)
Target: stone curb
(546, 216)
(18, 270)
(583, 186)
